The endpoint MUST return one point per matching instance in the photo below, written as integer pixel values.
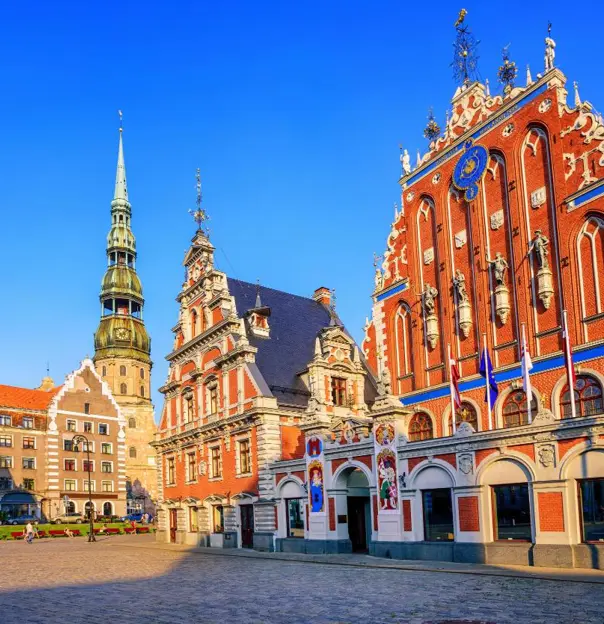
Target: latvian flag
(454, 377)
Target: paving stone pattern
(122, 580)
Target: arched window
(104, 371)
(141, 373)
(588, 397)
(515, 409)
(123, 371)
(123, 388)
(403, 345)
(132, 423)
(193, 323)
(107, 509)
(69, 507)
(88, 507)
(466, 413)
(142, 391)
(420, 428)
(590, 251)
(132, 452)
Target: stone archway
(353, 483)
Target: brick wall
(468, 513)
(407, 523)
(551, 512)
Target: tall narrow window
(592, 509)
(123, 389)
(403, 345)
(245, 463)
(438, 515)
(512, 512)
(338, 391)
(216, 462)
(193, 323)
(170, 476)
(191, 466)
(141, 373)
(132, 452)
(123, 371)
(420, 428)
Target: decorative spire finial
(199, 214)
(507, 71)
(121, 188)
(332, 309)
(258, 303)
(465, 58)
(121, 116)
(529, 78)
(577, 97)
(432, 130)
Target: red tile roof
(11, 396)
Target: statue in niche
(459, 282)
(500, 266)
(539, 247)
(428, 296)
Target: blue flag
(486, 371)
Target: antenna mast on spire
(199, 214)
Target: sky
(294, 113)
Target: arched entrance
(358, 507)
(87, 507)
(107, 509)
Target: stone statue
(384, 383)
(459, 282)
(539, 246)
(550, 53)
(500, 266)
(406, 162)
(428, 296)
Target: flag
(486, 371)
(527, 365)
(454, 377)
(568, 363)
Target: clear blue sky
(293, 112)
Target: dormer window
(338, 391)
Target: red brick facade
(551, 511)
(468, 513)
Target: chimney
(322, 295)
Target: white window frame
(211, 462)
(103, 425)
(93, 465)
(191, 478)
(92, 485)
(103, 483)
(106, 462)
(73, 459)
(24, 467)
(10, 463)
(168, 460)
(31, 419)
(10, 420)
(238, 441)
(75, 422)
(29, 448)
(66, 489)
(110, 444)
(11, 438)
(88, 422)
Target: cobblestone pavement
(129, 579)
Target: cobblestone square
(125, 579)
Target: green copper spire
(121, 332)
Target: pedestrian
(29, 533)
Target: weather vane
(432, 130)
(465, 59)
(119, 112)
(508, 71)
(199, 214)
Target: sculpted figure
(539, 247)
(406, 162)
(500, 266)
(550, 53)
(428, 296)
(459, 281)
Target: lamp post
(76, 440)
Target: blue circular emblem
(469, 170)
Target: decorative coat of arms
(538, 197)
(429, 255)
(461, 238)
(497, 220)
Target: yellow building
(122, 345)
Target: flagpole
(453, 415)
(525, 377)
(570, 377)
(487, 378)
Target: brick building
(41, 468)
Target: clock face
(469, 170)
(122, 333)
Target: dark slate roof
(295, 322)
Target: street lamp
(76, 440)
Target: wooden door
(357, 528)
(247, 526)
(173, 525)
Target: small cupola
(257, 317)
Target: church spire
(121, 188)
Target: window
(193, 323)
(70, 485)
(512, 512)
(466, 413)
(191, 467)
(132, 423)
(103, 429)
(515, 410)
(88, 427)
(123, 389)
(92, 485)
(29, 484)
(88, 466)
(295, 523)
(86, 408)
(338, 391)
(141, 373)
(28, 423)
(5, 420)
(6, 440)
(132, 452)
(218, 518)
(591, 494)
(142, 392)
(403, 349)
(216, 462)
(106, 448)
(106, 467)
(104, 373)
(71, 425)
(6, 483)
(189, 407)
(6, 461)
(88, 446)
(245, 460)
(107, 509)
(68, 445)
(213, 398)
(193, 525)
(122, 371)
(438, 515)
(420, 428)
(170, 471)
(69, 464)
(107, 486)
(29, 463)
(588, 398)
(29, 443)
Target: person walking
(29, 533)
